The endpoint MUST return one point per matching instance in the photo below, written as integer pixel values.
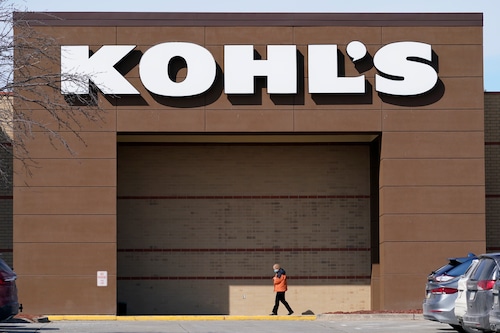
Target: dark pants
(280, 297)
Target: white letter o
(201, 69)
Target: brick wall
(200, 226)
(492, 169)
(6, 206)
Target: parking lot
(230, 326)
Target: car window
(443, 269)
(484, 270)
(459, 270)
(453, 268)
(4, 267)
(5, 271)
(472, 266)
(495, 273)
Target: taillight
(485, 284)
(7, 280)
(443, 291)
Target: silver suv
(441, 291)
(480, 292)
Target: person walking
(280, 287)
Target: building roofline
(247, 19)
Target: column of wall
(65, 226)
(432, 202)
(65, 206)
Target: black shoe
(290, 313)
(273, 314)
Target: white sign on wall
(102, 278)
(404, 69)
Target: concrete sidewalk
(385, 323)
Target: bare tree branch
(30, 82)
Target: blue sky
(490, 9)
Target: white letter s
(410, 77)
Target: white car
(461, 300)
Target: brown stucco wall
(431, 185)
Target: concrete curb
(173, 318)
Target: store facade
(347, 147)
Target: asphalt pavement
(285, 324)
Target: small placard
(102, 278)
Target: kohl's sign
(404, 69)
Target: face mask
(276, 270)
